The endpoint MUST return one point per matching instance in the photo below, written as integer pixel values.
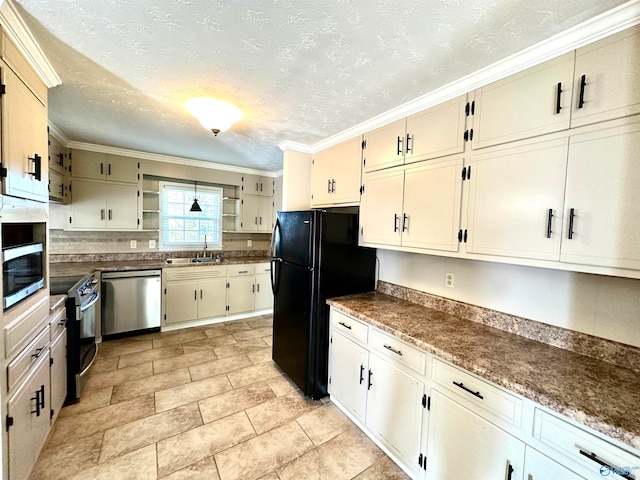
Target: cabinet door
(345, 172)
(264, 295)
(56, 186)
(321, 178)
(540, 467)
(464, 445)
(381, 210)
(250, 213)
(24, 135)
(212, 297)
(394, 409)
(257, 185)
(385, 146)
(436, 132)
(349, 374)
(265, 214)
(525, 104)
(29, 409)
(611, 68)
(511, 194)
(432, 197)
(88, 206)
(241, 294)
(122, 206)
(58, 373)
(603, 194)
(122, 169)
(181, 302)
(92, 165)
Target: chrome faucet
(204, 249)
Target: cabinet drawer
(581, 446)
(263, 268)
(57, 322)
(27, 357)
(349, 326)
(398, 350)
(241, 270)
(194, 273)
(497, 404)
(26, 325)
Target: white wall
(296, 183)
(599, 305)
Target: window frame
(163, 216)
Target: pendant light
(195, 207)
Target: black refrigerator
(314, 256)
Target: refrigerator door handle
(276, 230)
(274, 278)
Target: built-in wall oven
(82, 304)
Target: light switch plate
(249, 243)
(152, 244)
(134, 244)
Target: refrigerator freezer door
(292, 323)
(293, 237)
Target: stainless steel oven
(82, 304)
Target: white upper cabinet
(100, 166)
(257, 185)
(432, 133)
(436, 132)
(515, 200)
(384, 146)
(100, 205)
(24, 139)
(606, 79)
(381, 208)
(602, 225)
(415, 206)
(533, 102)
(335, 174)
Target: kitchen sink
(185, 260)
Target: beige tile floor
(205, 402)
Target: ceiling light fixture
(214, 115)
(195, 206)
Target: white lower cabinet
(58, 373)
(440, 422)
(28, 420)
(540, 467)
(349, 378)
(462, 444)
(197, 293)
(394, 408)
(377, 393)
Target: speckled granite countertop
(84, 268)
(600, 395)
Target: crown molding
(156, 157)
(298, 147)
(56, 133)
(596, 28)
(21, 36)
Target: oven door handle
(96, 296)
(95, 355)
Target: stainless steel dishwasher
(131, 302)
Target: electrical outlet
(134, 244)
(152, 244)
(449, 280)
(249, 243)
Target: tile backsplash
(68, 243)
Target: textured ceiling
(300, 70)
